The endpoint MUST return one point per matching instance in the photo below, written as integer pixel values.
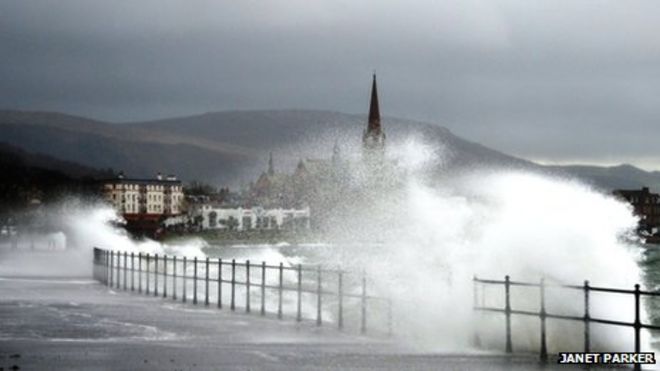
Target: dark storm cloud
(557, 80)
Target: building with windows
(254, 218)
(646, 205)
(144, 202)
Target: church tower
(373, 139)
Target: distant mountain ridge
(231, 147)
(623, 176)
(121, 147)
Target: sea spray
(96, 225)
(507, 223)
(439, 232)
(67, 232)
(422, 234)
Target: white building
(241, 219)
(133, 197)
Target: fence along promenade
(342, 294)
(543, 314)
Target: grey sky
(553, 80)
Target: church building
(318, 183)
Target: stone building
(321, 183)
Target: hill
(612, 177)
(105, 145)
(219, 147)
(305, 133)
(228, 148)
(27, 176)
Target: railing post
(206, 288)
(280, 290)
(132, 271)
(299, 314)
(474, 292)
(247, 286)
(118, 273)
(99, 260)
(96, 263)
(174, 277)
(263, 288)
(544, 346)
(363, 322)
(125, 270)
(113, 270)
(185, 279)
(319, 296)
(164, 276)
(107, 266)
(232, 303)
(147, 274)
(155, 274)
(637, 324)
(195, 280)
(507, 312)
(104, 267)
(340, 299)
(112, 267)
(99, 265)
(587, 319)
(106, 261)
(108, 272)
(483, 295)
(475, 304)
(140, 272)
(219, 282)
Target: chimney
(159, 176)
(120, 175)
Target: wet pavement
(77, 324)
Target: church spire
(373, 139)
(374, 111)
(271, 168)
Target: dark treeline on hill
(28, 177)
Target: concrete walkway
(77, 324)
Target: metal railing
(343, 294)
(586, 318)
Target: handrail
(155, 274)
(542, 314)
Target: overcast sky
(554, 80)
